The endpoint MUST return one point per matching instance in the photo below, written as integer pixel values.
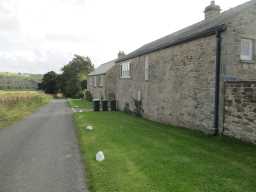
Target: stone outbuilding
(102, 81)
(201, 77)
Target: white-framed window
(125, 70)
(146, 69)
(95, 81)
(101, 79)
(246, 50)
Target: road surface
(41, 154)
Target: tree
(74, 75)
(84, 84)
(49, 83)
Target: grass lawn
(81, 103)
(144, 156)
(15, 105)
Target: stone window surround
(249, 61)
(97, 81)
(146, 68)
(125, 74)
(101, 81)
(94, 81)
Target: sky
(37, 36)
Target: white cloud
(41, 35)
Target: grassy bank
(15, 105)
(81, 103)
(142, 155)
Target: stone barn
(102, 81)
(201, 77)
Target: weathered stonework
(243, 25)
(97, 91)
(240, 110)
(180, 89)
(110, 85)
(108, 89)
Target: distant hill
(19, 81)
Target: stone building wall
(243, 25)
(110, 82)
(180, 90)
(240, 110)
(97, 92)
(108, 90)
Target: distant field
(19, 81)
(15, 105)
(36, 77)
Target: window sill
(125, 77)
(247, 61)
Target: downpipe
(217, 83)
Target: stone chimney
(212, 10)
(120, 54)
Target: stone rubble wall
(97, 92)
(180, 89)
(239, 27)
(240, 110)
(108, 90)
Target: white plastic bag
(100, 156)
(89, 128)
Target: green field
(144, 156)
(15, 105)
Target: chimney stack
(120, 54)
(212, 10)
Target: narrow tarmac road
(41, 154)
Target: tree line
(72, 82)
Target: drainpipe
(217, 82)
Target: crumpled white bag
(100, 156)
(89, 128)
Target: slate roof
(103, 69)
(204, 28)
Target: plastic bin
(104, 105)
(113, 105)
(96, 105)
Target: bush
(127, 108)
(88, 96)
(138, 111)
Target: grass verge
(145, 156)
(81, 103)
(15, 105)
